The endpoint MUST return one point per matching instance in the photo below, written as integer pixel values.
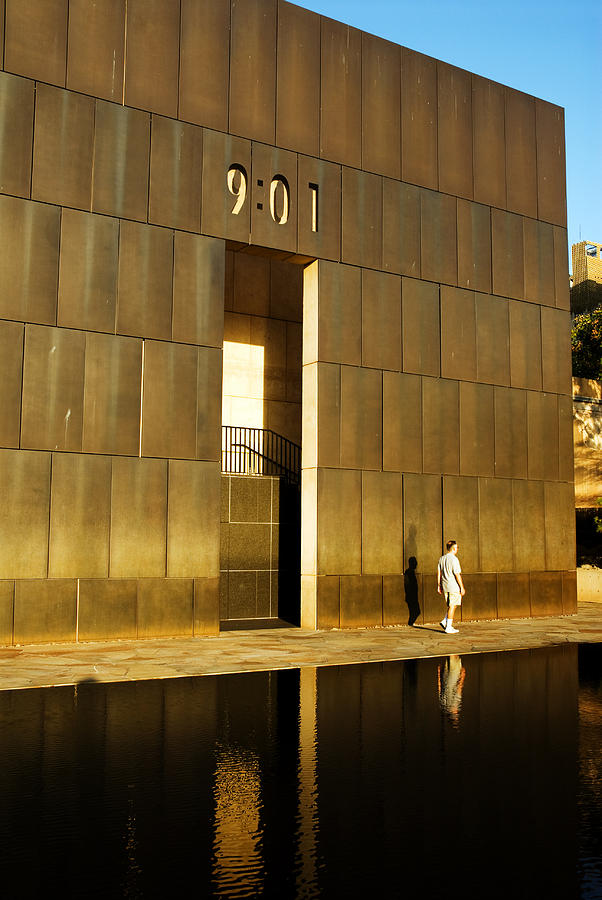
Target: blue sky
(551, 50)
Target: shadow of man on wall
(410, 586)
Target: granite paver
(47, 665)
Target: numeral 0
(237, 187)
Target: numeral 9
(237, 187)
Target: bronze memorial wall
(143, 144)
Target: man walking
(449, 583)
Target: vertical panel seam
(178, 84)
(125, 50)
(66, 43)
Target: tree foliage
(586, 343)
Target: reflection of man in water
(450, 681)
(449, 583)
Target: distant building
(586, 290)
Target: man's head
(451, 547)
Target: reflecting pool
(477, 776)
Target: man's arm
(438, 579)
(461, 583)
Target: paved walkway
(46, 665)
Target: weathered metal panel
(253, 69)
(205, 63)
(96, 46)
(341, 93)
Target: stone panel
(454, 104)
(560, 517)
(198, 290)
(328, 601)
(16, 127)
(489, 153)
(138, 518)
(480, 599)
(495, 524)
(401, 228)
(551, 174)
(53, 388)
(461, 518)
(206, 606)
(569, 593)
(80, 516)
(45, 610)
(145, 281)
(438, 242)
(220, 153)
(361, 601)
(121, 161)
(204, 63)
(381, 106)
(556, 350)
(112, 383)
(546, 593)
(253, 69)
(341, 93)
(336, 316)
(107, 609)
(477, 433)
(193, 514)
(273, 222)
(152, 55)
(525, 345)
(418, 119)
(402, 422)
(24, 513)
(381, 320)
(420, 327)
(208, 418)
(361, 418)
(339, 509)
(510, 433)
(169, 406)
(507, 254)
(362, 238)
(474, 246)
(95, 48)
(493, 339)
(319, 222)
(422, 522)
(382, 535)
(35, 39)
(298, 80)
(165, 607)
(458, 334)
(440, 416)
(542, 435)
(521, 161)
(63, 147)
(395, 609)
(11, 374)
(561, 268)
(513, 595)
(529, 525)
(7, 594)
(87, 294)
(539, 262)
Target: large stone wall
(436, 357)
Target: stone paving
(46, 665)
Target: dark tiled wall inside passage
(249, 546)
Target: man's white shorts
(453, 599)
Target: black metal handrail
(259, 451)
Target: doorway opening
(261, 440)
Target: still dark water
(473, 777)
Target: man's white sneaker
(451, 630)
(443, 624)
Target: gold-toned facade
(428, 208)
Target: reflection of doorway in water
(451, 675)
(261, 437)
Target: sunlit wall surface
(341, 781)
(144, 146)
